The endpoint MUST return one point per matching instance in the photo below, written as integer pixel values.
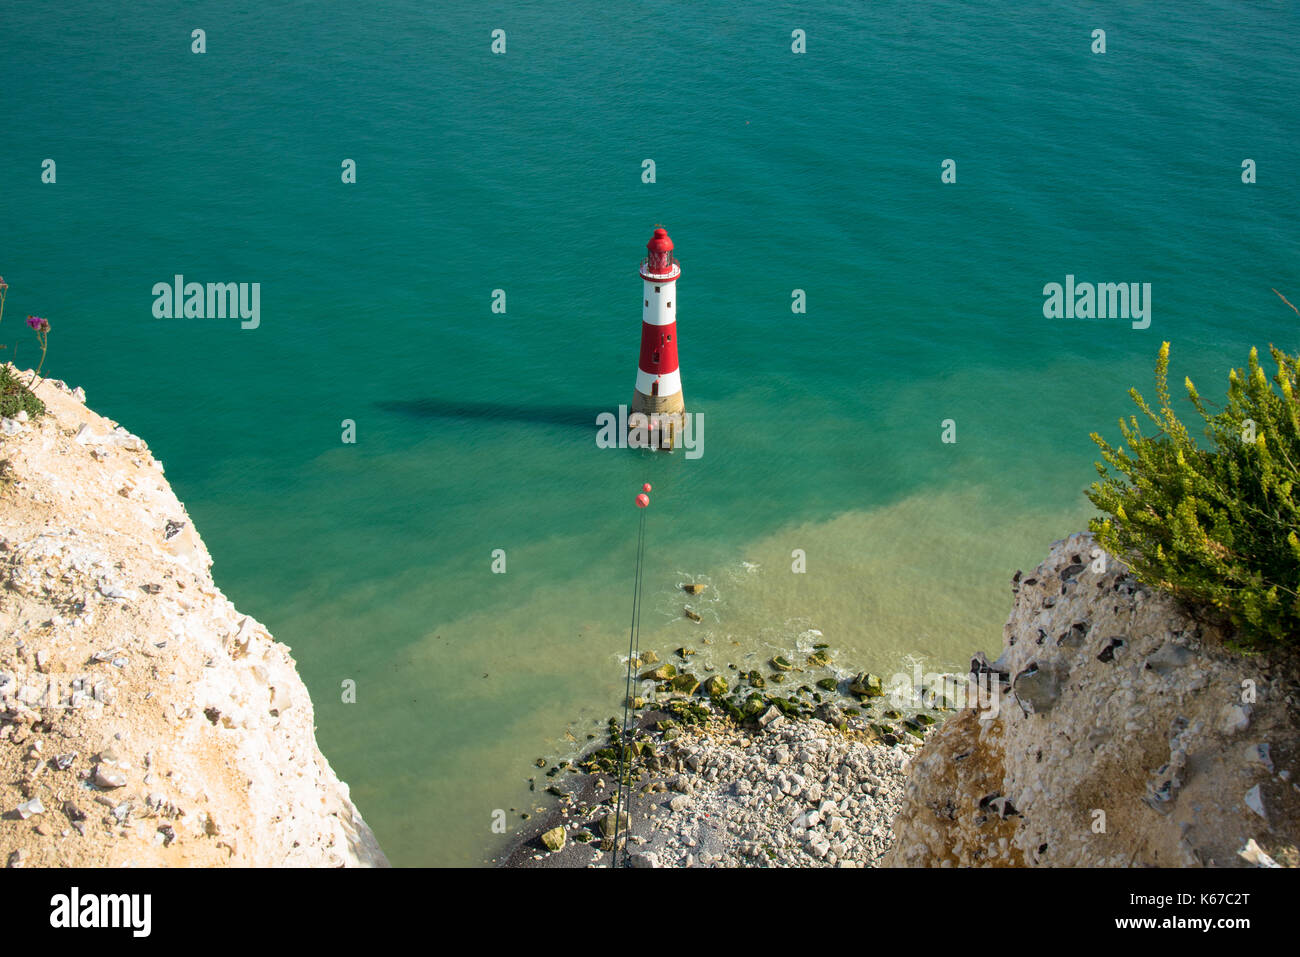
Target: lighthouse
(658, 393)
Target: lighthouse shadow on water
(434, 408)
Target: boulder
(831, 714)
(554, 839)
(607, 822)
(685, 683)
(662, 673)
(867, 685)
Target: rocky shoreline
(1116, 728)
(750, 778)
(792, 793)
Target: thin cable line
(633, 647)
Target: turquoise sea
(775, 171)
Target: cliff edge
(143, 719)
(1122, 733)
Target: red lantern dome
(659, 262)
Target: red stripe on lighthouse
(658, 348)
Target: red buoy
(645, 487)
(642, 500)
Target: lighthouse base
(656, 422)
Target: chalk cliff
(143, 719)
(1125, 734)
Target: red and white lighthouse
(658, 393)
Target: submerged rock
(867, 685)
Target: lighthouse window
(656, 288)
(670, 303)
(656, 358)
(647, 302)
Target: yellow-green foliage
(1216, 526)
(15, 397)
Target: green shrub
(15, 397)
(1217, 526)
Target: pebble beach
(771, 790)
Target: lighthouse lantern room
(658, 393)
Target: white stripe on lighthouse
(660, 307)
(670, 383)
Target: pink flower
(39, 323)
